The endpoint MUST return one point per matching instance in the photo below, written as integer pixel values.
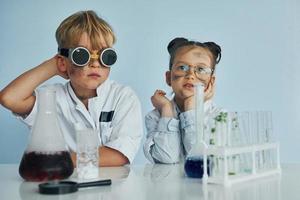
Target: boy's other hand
(162, 103)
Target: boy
(89, 97)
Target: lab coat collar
(102, 89)
(95, 104)
(72, 94)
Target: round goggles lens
(108, 57)
(80, 56)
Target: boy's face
(90, 76)
(190, 66)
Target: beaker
(87, 165)
(194, 166)
(46, 156)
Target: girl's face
(86, 79)
(191, 65)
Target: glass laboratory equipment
(194, 166)
(46, 156)
(87, 162)
(240, 147)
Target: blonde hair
(71, 29)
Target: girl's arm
(163, 142)
(108, 157)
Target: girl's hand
(209, 91)
(162, 103)
(189, 102)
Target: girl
(170, 126)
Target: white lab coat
(115, 113)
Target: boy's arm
(18, 95)
(108, 157)
(111, 157)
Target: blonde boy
(84, 58)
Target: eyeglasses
(80, 56)
(200, 71)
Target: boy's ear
(168, 78)
(61, 64)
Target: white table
(157, 182)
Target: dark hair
(177, 43)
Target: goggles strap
(63, 52)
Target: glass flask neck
(46, 101)
(46, 133)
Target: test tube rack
(223, 153)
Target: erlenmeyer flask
(193, 165)
(46, 156)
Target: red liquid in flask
(39, 166)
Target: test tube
(199, 119)
(199, 109)
(196, 165)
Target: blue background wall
(258, 71)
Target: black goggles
(80, 56)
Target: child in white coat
(84, 58)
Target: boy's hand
(54, 66)
(60, 66)
(162, 103)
